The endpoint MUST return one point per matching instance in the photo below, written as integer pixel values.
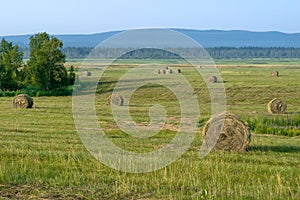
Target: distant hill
(239, 38)
(207, 38)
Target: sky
(19, 17)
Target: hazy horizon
(133, 29)
(92, 16)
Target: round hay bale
(212, 79)
(178, 71)
(235, 135)
(277, 106)
(169, 71)
(116, 100)
(22, 101)
(87, 73)
(156, 71)
(162, 71)
(275, 73)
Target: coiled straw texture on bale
(275, 73)
(212, 79)
(277, 106)
(22, 101)
(233, 136)
(116, 100)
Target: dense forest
(216, 52)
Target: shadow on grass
(292, 113)
(283, 149)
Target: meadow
(42, 156)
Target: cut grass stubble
(42, 156)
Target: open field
(42, 156)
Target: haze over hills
(207, 38)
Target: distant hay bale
(277, 106)
(169, 71)
(178, 71)
(87, 73)
(162, 71)
(116, 100)
(156, 71)
(235, 135)
(22, 101)
(212, 79)
(275, 74)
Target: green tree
(10, 62)
(72, 75)
(45, 67)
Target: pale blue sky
(93, 16)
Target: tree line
(254, 52)
(45, 67)
(44, 70)
(214, 52)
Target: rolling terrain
(207, 38)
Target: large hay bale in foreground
(212, 79)
(116, 100)
(275, 73)
(22, 101)
(277, 106)
(235, 134)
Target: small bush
(36, 92)
(287, 126)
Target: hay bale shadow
(292, 113)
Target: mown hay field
(42, 156)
